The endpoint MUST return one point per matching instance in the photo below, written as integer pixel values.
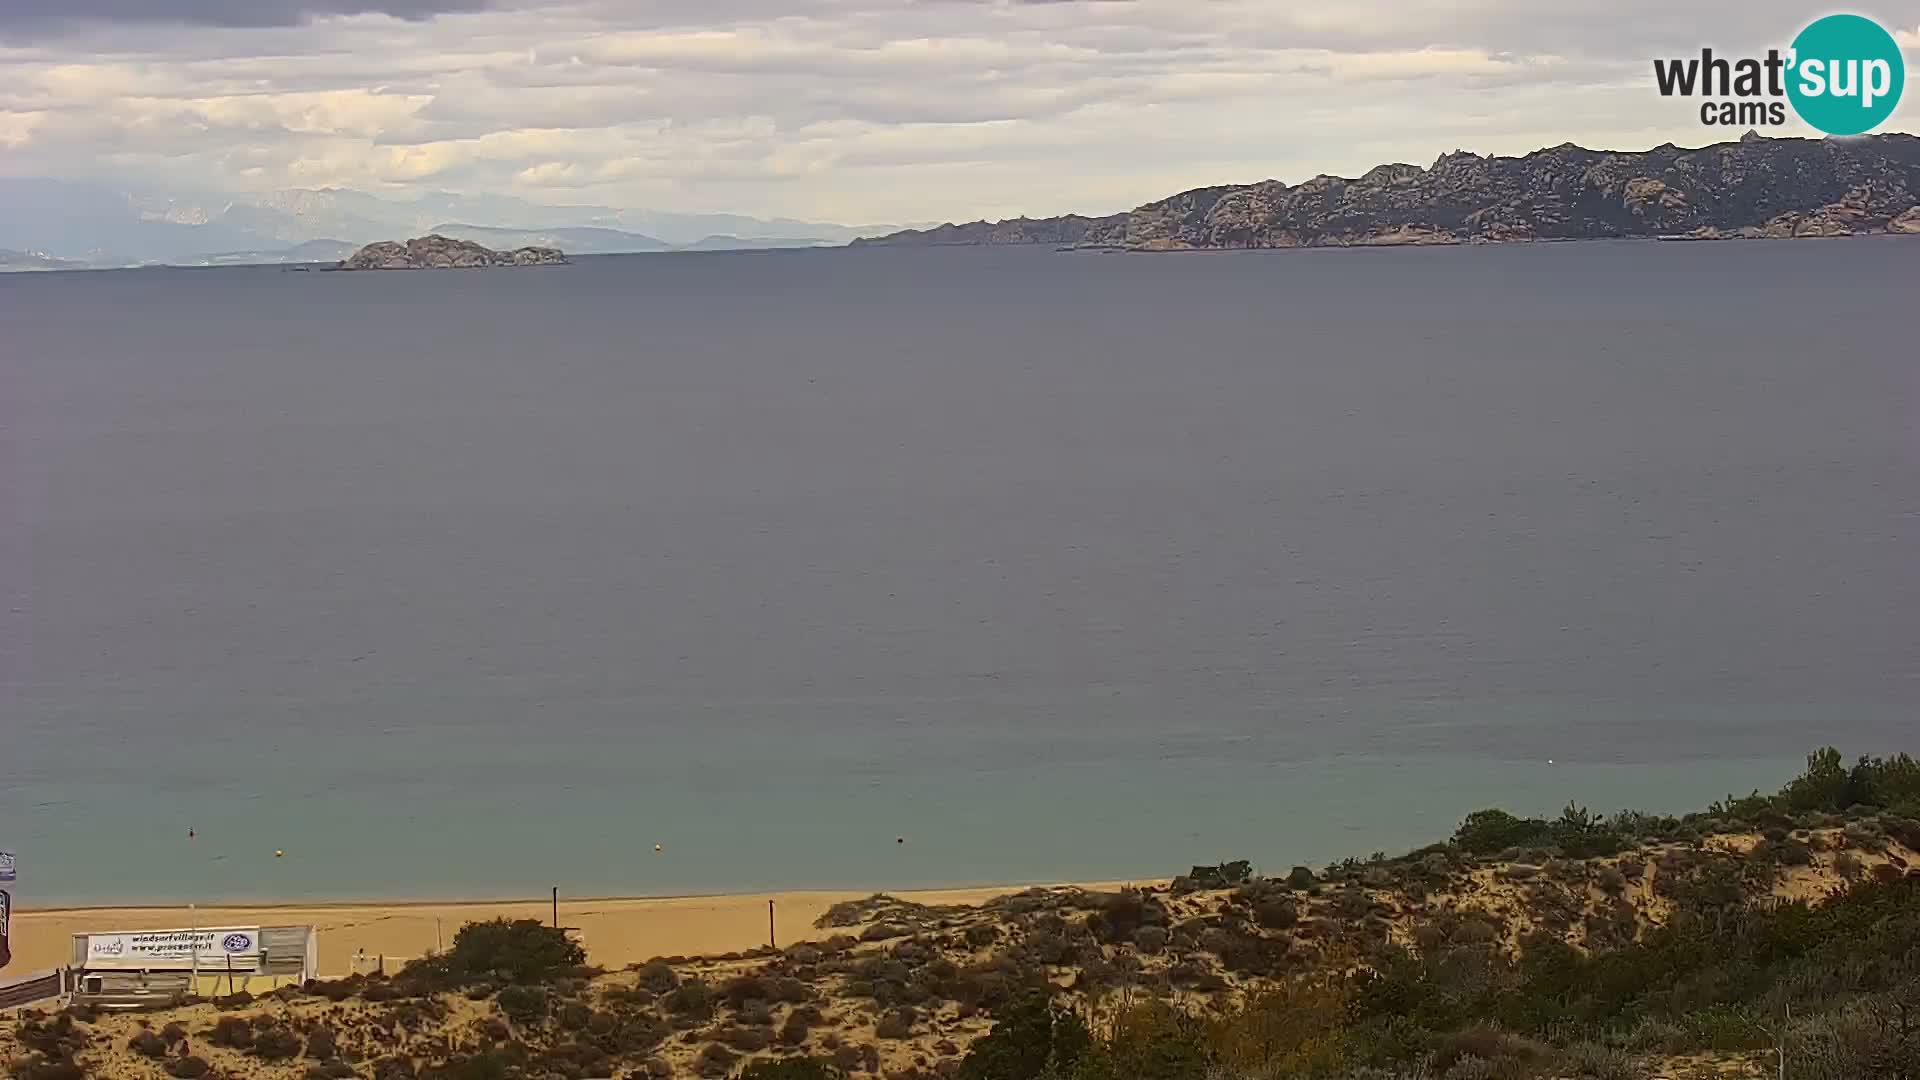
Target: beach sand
(616, 932)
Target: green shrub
(322, 1044)
(233, 1032)
(276, 1043)
(1580, 835)
(747, 1040)
(1904, 829)
(1872, 1040)
(483, 1066)
(1791, 852)
(690, 998)
(1130, 909)
(715, 1060)
(393, 1068)
(1278, 913)
(658, 976)
(1148, 1042)
(1830, 786)
(523, 1004)
(1030, 1038)
(147, 1045)
(39, 1067)
(1487, 832)
(799, 1068)
(741, 989)
(896, 1024)
(794, 1031)
(520, 951)
(1484, 1044)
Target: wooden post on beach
(193, 952)
(556, 907)
(771, 944)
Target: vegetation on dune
(1846, 972)
(518, 952)
(1577, 947)
(1832, 986)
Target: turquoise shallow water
(1018, 824)
(1060, 567)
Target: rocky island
(1751, 188)
(436, 252)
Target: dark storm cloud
(41, 14)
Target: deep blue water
(1062, 566)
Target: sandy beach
(615, 931)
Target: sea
(889, 568)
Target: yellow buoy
(278, 853)
(656, 847)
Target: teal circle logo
(1847, 74)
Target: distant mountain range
(1754, 187)
(57, 224)
(28, 260)
(588, 240)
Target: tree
(1824, 786)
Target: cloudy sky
(847, 110)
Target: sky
(844, 110)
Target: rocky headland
(435, 252)
(1754, 188)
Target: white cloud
(849, 109)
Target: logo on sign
(236, 942)
(6, 866)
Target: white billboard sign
(155, 950)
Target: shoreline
(1057, 248)
(326, 903)
(616, 931)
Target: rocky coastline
(1751, 188)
